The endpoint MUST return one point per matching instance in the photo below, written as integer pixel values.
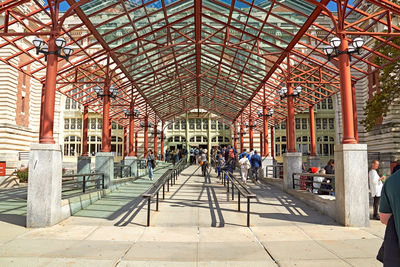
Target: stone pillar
(351, 185)
(131, 161)
(44, 185)
(267, 161)
(84, 167)
(314, 161)
(105, 163)
(292, 163)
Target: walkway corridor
(197, 225)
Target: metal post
(233, 193)
(251, 133)
(265, 126)
(163, 191)
(157, 202)
(313, 151)
(227, 180)
(46, 136)
(346, 93)
(291, 145)
(248, 212)
(238, 200)
(105, 141)
(148, 211)
(85, 130)
(162, 141)
(103, 180)
(146, 135)
(155, 140)
(131, 130)
(84, 184)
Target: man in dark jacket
(255, 162)
(330, 167)
(389, 212)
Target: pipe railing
(275, 170)
(167, 179)
(69, 184)
(306, 181)
(229, 178)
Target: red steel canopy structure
(227, 57)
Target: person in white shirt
(375, 184)
(244, 167)
(318, 180)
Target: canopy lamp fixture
(100, 92)
(283, 92)
(251, 126)
(333, 51)
(149, 124)
(269, 114)
(128, 114)
(42, 47)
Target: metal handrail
(84, 181)
(279, 172)
(121, 168)
(307, 182)
(242, 190)
(169, 178)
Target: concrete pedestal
(351, 185)
(44, 185)
(105, 163)
(132, 161)
(292, 163)
(83, 166)
(267, 161)
(314, 161)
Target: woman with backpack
(151, 164)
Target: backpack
(231, 154)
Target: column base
(351, 185)
(83, 166)
(267, 173)
(44, 186)
(105, 164)
(292, 163)
(314, 161)
(132, 161)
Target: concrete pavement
(196, 225)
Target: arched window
(94, 145)
(116, 145)
(303, 144)
(72, 146)
(214, 139)
(227, 140)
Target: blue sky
(332, 6)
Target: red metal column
(234, 136)
(85, 130)
(291, 145)
(346, 93)
(241, 138)
(266, 150)
(125, 134)
(251, 133)
(272, 143)
(162, 141)
(46, 136)
(136, 144)
(355, 112)
(146, 135)
(42, 109)
(313, 151)
(131, 131)
(105, 134)
(261, 143)
(155, 140)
